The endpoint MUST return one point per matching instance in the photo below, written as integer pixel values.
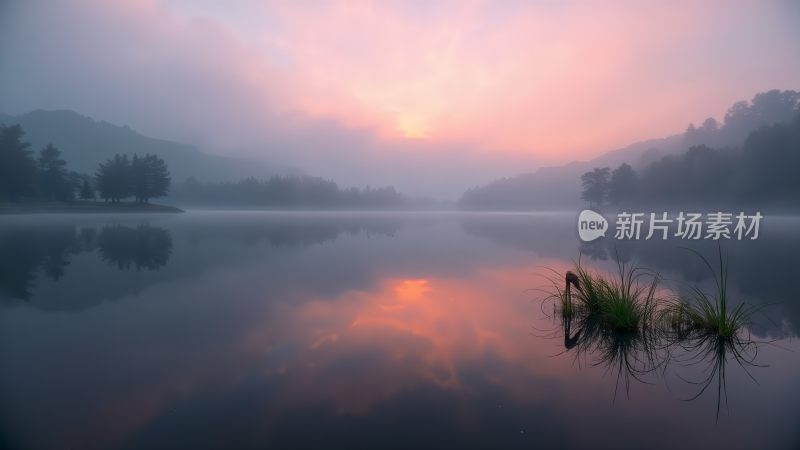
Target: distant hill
(559, 187)
(85, 142)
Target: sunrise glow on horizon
(343, 89)
(508, 77)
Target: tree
(87, 190)
(53, 182)
(624, 185)
(766, 108)
(772, 156)
(287, 191)
(139, 175)
(150, 177)
(113, 179)
(17, 166)
(595, 185)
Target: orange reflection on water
(412, 331)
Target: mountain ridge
(85, 142)
(559, 187)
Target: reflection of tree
(56, 247)
(595, 250)
(25, 251)
(33, 252)
(144, 247)
(87, 237)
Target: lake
(380, 330)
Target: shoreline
(84, 207)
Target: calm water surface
(384, 330)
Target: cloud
(430, 96)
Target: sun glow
(411, 127)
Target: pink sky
(500, 86)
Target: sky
(430, 96)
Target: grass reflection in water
(635, 330)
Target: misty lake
(381, 330)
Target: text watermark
(689, 226)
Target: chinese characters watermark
(662, 226)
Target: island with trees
(42, 182)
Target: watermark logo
(591, 225)
(661, 226)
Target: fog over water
(249, 329)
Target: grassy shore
(83, 207)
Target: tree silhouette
(53, 179)
(17, 166)
(286, 191)
(761, 173)
(595, 186)
(743, 118)
(150, 177)
(624, 185)
(87, 190)
(47, 178)
(113, 179)
(772, 156)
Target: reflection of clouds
(755, 266)
(364, 347)
(429, 327)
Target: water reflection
(306, 331)
(627, 356)
(26, 252)
(754, 265)
(35, 251)
(712, 353)
(143, 247)
(646, 355)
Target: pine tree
(150, 177)
(17, 166)
(624, 185)
(113, 179)
(87, 191)
(53, 182)
(595, 186)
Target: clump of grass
(573, 301)
(632, 330)
(590, 295)
(709, 313)
(629, 302)
(626, 303)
